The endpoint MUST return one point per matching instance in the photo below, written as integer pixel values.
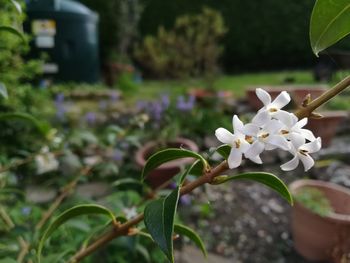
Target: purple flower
(114, 97)
(156, 111)
(26, 210)
(183, 105)
(124, 145)
(117, 155)
(59, 99)
(90, 118)
(165, 101)
(141, 105)
(185, 199)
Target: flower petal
(273, 126)
(237, 124)
(297, 140)
(300, 124)
(263, 96)
(256, 159)
(278, 141)
(307, 161)
(287, 118)
(235, 158)
(244, 146)
(224, 136)
(313, 146)
(307, 134)
(282, 100)
(250, 129)
(261, 118)
(291, 165)
(255, 150)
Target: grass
(235, 83)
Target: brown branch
(66, 191)
(6, 218)
(306, 111)
(24, 249)
(124, 228)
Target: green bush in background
(191, 48)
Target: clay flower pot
(322, 238)
(326, 127)
(168, 170)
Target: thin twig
(124, 228)
(66, 191)
(24, 249)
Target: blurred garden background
(92, 88)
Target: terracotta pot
(205, 94)
(320, 238)
(168, 170)
(326, 127)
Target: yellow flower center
(273, 110)
(249, 139)
(284, 132)
(238, 143)
(303, 152)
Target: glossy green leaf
(168, 155)
(267, 179)
(195, 169)
(12, 30)
(3, 91)
(192, 235)
(224, 150)
(330, 22)
(159, 221)
(17, 6)
(43, 128)
(69, 214)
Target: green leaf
(69, 214)
(195, 169)
(168, 155)
(8, 260)
(267, 179)
(126, 181)
(13, 31)
(43, 128)
(330, 22)
(159, 221)
(17, 6)
(191, 234)
(224, 150)
(3, 91)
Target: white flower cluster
(271, 128)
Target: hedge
(263, 34)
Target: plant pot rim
(334, 217)
(148, 147)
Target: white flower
(236, 140)
(266, 132)
(301, 152)
(293, 127)
(273, 107)
(46, 161)
(130, 212)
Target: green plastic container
(68, 32)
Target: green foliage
(159, 221)
(267, 179)
(190, 48)
(192, 235)
(168, 155)
(315, 200)
(69, 214)
(329, 23)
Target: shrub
(190, 48)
